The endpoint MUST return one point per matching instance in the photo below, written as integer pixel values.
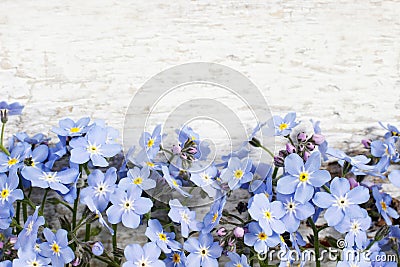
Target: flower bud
(290, 148)
(382, 233)
(302, 137)
(310, 146)
(366, 143)
(3, 115)
(13, 239)
(176, 149)
(98, 249)
(279, 161)
(238, 232)
(76, 262)
(318, 139)
(353, 182)
(221, 232)
(255, 142)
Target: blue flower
(211, 219)
(70, 128)
(382, 203)
(164, 240)
(301, 178)
(386, 150)
(55, 180)
(151, 142)
(139, 178)
(237, 172)
(93, 147)
(27, 237)
(56, 248)
(392, 130)
(341, 201)
(295, 212)
(8, 190)
(146, 256)
(237, 260)
(174, 183)
(37, 156)
(284, 126)
(206, 180)
(203, 251)
(182, 215)
(14, 161)
(176, 259)
(100, 187)
(98, 249)
(37, 139)
(128, 206)
(356, 228)
(12, 109)
(6, 214)
(359, 162)
(6, 263)
(30, 258)
(394, 177)
(352, 258)
(88, 201)
(268, 214)
(258, 239)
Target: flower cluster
(155, 187)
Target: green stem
(87, 232)
(4, 150)
(114, 240)
(268, 151)
(275, 173)
(3, 126)
(24, 211)
(316, 242)
(326, 189)
(43, 202)
(75, 210)
(18, 212)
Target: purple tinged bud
(221, 232)
(306, 155)
(279, 161)
(1, 245)
(353, 182)
(98, 249)
(310, 146)
(238, 232)
(176, 149)
(13, 239)
(192, 150)
(318, 139)
(302, 137)
(366, 143)
(231, 242)
(290, 148)
(76, 262)
(301, 147)
(183, 156)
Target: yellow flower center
(12, 161)
(150, 164)
(238, 265)
(282, 239)
(162, 237)
(93, 149)
(33, 263)
(55, 248)
(267, 215)
(75, 130)
(262, 236)
(215, 217)
(176, 258)
(238, 174)
(283, 126)
(5, 193)
(304, 176)
(175, 183)
(138, 180)
(384, 206)
(150, 143)
(395, 133)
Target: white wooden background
(335, 61)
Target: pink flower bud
(238, 232)
(13, 239)
(290, 148)
(318, 139)
(221, 231)
(176, 149)
(366, 143)
(310, 146)
(353, 182)
(306, 155)
(302, 137)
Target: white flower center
(185, 217)
(101, 189)
(50, 177)
(342, 202)
(290, 206)
(33, 263)
(204, 252)
(127, 204)
(93, 148)
(142, 263)
(355, 227)
(29, 228)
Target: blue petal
(287, 184)
(293, 164)
(323, 200)
(339, 186)
(358, 195)
(333, 215)
(304, 193)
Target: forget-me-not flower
(341, 201)
(206, 180)
(128, 206)
(237, 260)
(176, 259)
(257, 238)
(15, 160)
(56, 248)
(9, 192)
(27, 237)
(184, 216)
(93, 147)
(382, 203)
(212, 218)
(148, 256)
(164, 240)
(268, 214)
(100, 187)
(284, 126)
(68, 127)
(151, 142)
(300, 178)
(138, 177)
(237, 172)
(203, 251)
(174, 183)
(30, 259)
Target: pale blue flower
(138, 177)
(183, 216)
(237, 173)
(164, 240)
(204, 252)
(147, 256)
